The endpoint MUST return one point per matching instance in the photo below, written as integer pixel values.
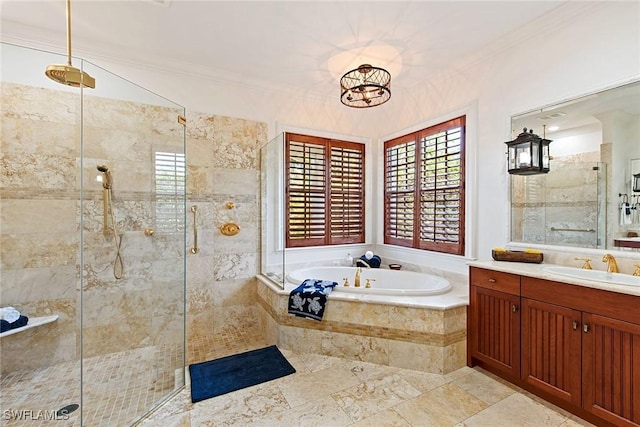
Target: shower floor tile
(116, 387)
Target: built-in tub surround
(425, 333)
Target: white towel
(9, 314)
(625, 213)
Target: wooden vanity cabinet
(551, 349)
(578, 347)
(493, 329)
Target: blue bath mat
(231, 373)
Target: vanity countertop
(537, 271)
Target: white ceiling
(274, 43)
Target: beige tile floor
(330, 391)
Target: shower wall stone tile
(39, 104)
(234, 266)
(30, 285)
(235, 292)
(235, 143)
(19, 216)
(235, 182)
(236, 317)
(38, 250)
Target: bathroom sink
(597, 275)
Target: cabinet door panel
(551, 349)
(495, 318)
(611, 369)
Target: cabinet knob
(514, 308)
(585, 328)
(492, 280)
(575, 325)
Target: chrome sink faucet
(612, 265)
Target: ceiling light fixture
(366, 86)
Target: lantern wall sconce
(636, 183)
(528, 154)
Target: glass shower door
(133, 249)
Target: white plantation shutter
(170, 186)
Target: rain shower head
(68, 74)
(108, 182)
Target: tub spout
(357, 279)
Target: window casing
(324, 191)
(424, 188)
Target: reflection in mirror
(578, 203)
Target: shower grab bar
(584, 230)
(194, 249)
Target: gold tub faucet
(357, 279)
(612, 265)
(587, 263)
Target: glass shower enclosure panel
(133, 249)
(272, 176)
(92, 239)
(40, 123)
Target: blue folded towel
(309, 299)
(5, 326)
(373, 262)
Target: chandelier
(365, 87)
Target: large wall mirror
(587, 198)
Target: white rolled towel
(625, 214)
(9, 314)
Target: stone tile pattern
(328, 391)
(416, 338)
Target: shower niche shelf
(34, 322)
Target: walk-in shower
(117, 345)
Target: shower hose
(118, 266)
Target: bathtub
(384, 282)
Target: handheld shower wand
(107, 183)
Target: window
(170, 174)
(325, 191)
(424, 188)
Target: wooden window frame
(408, 232)
(343, 196)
